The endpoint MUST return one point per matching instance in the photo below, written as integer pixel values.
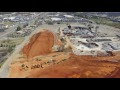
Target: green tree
(18, 28)
(10, 49)
(14, 45)
(50, 23)
(1, 45)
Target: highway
(4, 71)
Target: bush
(1, 45)
(14, 45)
(63, 59)
(50, 23)
(10, 49)
(27, 67)
(18, 28)
(22, 65)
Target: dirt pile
(114, 74)
(79, 67)
(67, 65)
(40, 44)
(28, 67)
(72, 67)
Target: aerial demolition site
(75, 51)
(86, 41)
(64, 46)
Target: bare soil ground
(18, 71)
(79, 67)
(73, 67)
(65, 64)
(38, 52)
(41, 43)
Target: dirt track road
(5, 69)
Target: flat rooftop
(105, 43)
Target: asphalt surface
(12, 29)
(8, 31)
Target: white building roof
(21, 32)
(11, 18)
(55, 19)
(68, 16)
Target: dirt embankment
(73, 67)
(114, 74)
(40, 44)
(79, 67)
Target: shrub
(50, 23)
(22, 65)
(10, 49)
(63, 59)
(18, 28)
(1, 45)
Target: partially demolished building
(86, 43)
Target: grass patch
(13, 41)
(19, 41)
(2, 63)
(106, 21)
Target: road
(12, 29)
(4, 71)
(8, 31)
(5, 68)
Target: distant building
(68, 16)
(56, 19)
(3, 27)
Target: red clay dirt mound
(40, 44)
(114, 74)
(78, 67)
